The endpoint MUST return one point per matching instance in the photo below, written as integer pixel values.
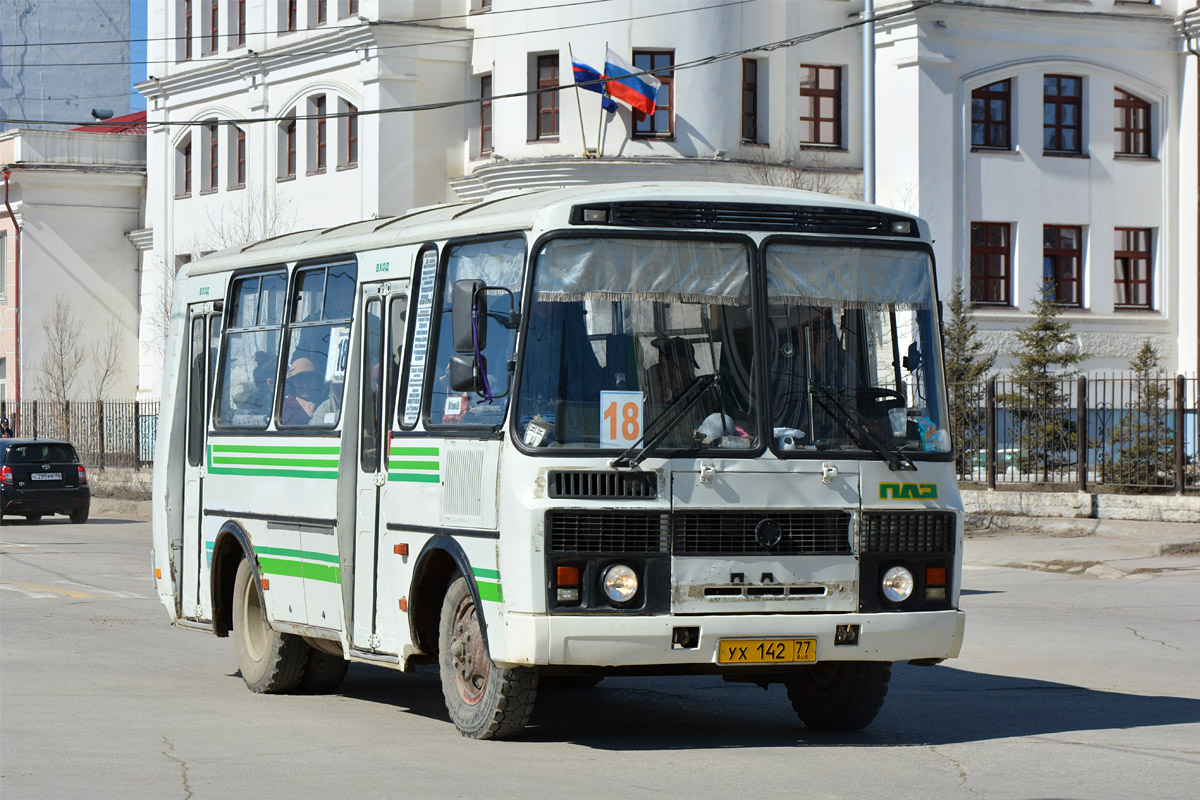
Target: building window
(546, 102)
(322, 11)
(749, 100)
(287, 147)
(348, 134)
(237, 157)
(4, 265)
(990, 116)
(351, 7)
(662, 124)
(820, 106)
(183, 168)
(317, 134)
(241, 21)
(1062, 263)
(214, 26)
(485, 115)
(991, 252)
(1062, 110)
(1133, 267)
(187, 30)
(291, 21)
(212, 139)
(1132, 125)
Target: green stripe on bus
(410, 477)
(300, 569)
(433, 465)
(310, 555)
(486, 573)
(274, 473)
(490, 591)
(414, 451)
(276, 462)
(276, 448)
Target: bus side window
(398, 310)
(318, 346)
(245, 386)
(196, 392)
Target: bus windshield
(852, 344)
(639, 340)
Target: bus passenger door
(384, 308)
(204, 332)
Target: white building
(790, 114)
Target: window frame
(989, 94)
(485, 114)
(1057, 254)
(1127, 129)
(319, 133)
(984, 251)
(1060, 101)
(183, 168)
(817, 119)
(348, 134)
(666, 86)
(1128, 258)
(237, 157)
(214, 26)
(216, 426)
(212, 172)
(286, 148)
(291, 16)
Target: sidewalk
(1096, 548)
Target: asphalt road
(1080, 677)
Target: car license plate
(46, 476)
(766, 651)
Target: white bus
(604, 430)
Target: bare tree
(106, 357)
(256, 218)
(794, 167)
(58, 367)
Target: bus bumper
(605, 641)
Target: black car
(42, 476)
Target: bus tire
(839, 695)
(323, 673)
(484, 701)
(271, 662)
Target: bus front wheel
(839, 695)
(271, 662)
(484, 701)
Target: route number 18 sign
(620, 419)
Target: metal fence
(1129, 433)
(106, 434)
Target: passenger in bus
(327, 413)
(302, 390)
(674, 372)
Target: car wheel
(79, 516)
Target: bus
(627, 429)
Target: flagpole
(603, 121)
(578, 102)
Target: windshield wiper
(852, 422)
(675, 411)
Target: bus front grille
(907, 532)
(607, 531)
(602, 484)
(738, 532)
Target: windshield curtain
(620, 329)
(853, 342)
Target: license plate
(46, 476)
(766, 651)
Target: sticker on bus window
(339, 352)
(620, 418)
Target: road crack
(170, 753)
(1156, 641)
(959, 768)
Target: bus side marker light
(400, 549)
(157, 573)
(404, 604)
(266, 584)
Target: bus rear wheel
(839, 695)
(485, 701)
(271, 662)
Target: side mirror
(466, 373)
(469, 315)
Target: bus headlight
(897, 584)
(620, 583)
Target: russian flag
(594, 83)
(640, 91)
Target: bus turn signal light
(400, 549)
(568, 576)
(935, 576)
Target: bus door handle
(380, 479)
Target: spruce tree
(1144, 440)
(1039, 402)
(967, 366)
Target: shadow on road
(925, 706)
